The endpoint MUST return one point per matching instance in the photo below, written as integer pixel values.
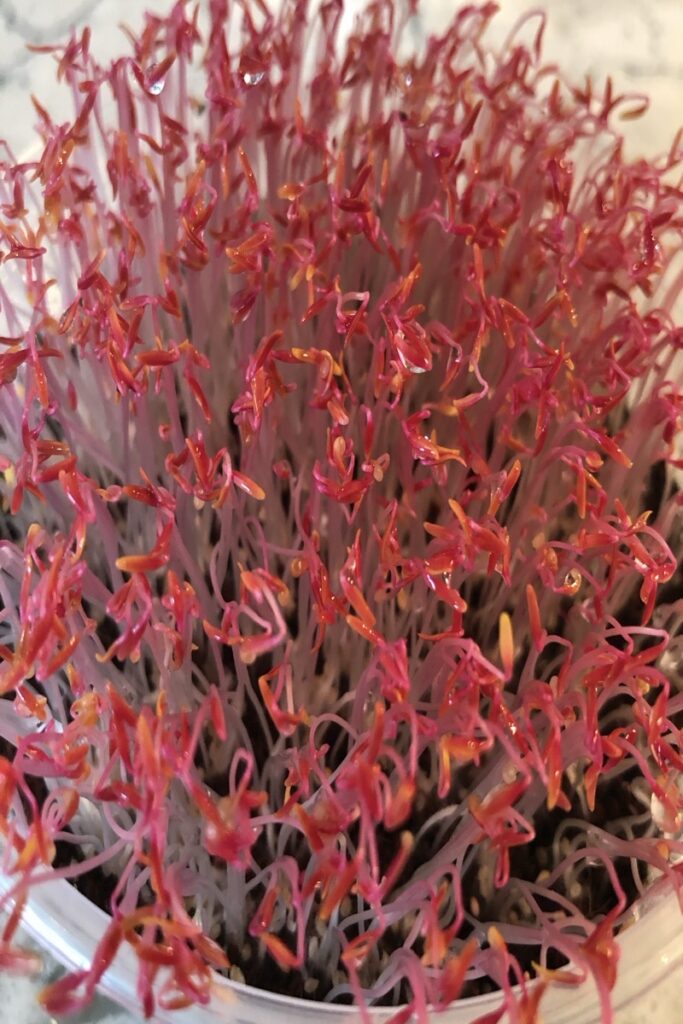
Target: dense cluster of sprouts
(340, 634)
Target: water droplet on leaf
(154, 87)
(409, 365)
(369, 702)
(572, 582)
(251, 78)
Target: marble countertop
(637, 42)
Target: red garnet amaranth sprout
(340, 617)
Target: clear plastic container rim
(69, 927)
